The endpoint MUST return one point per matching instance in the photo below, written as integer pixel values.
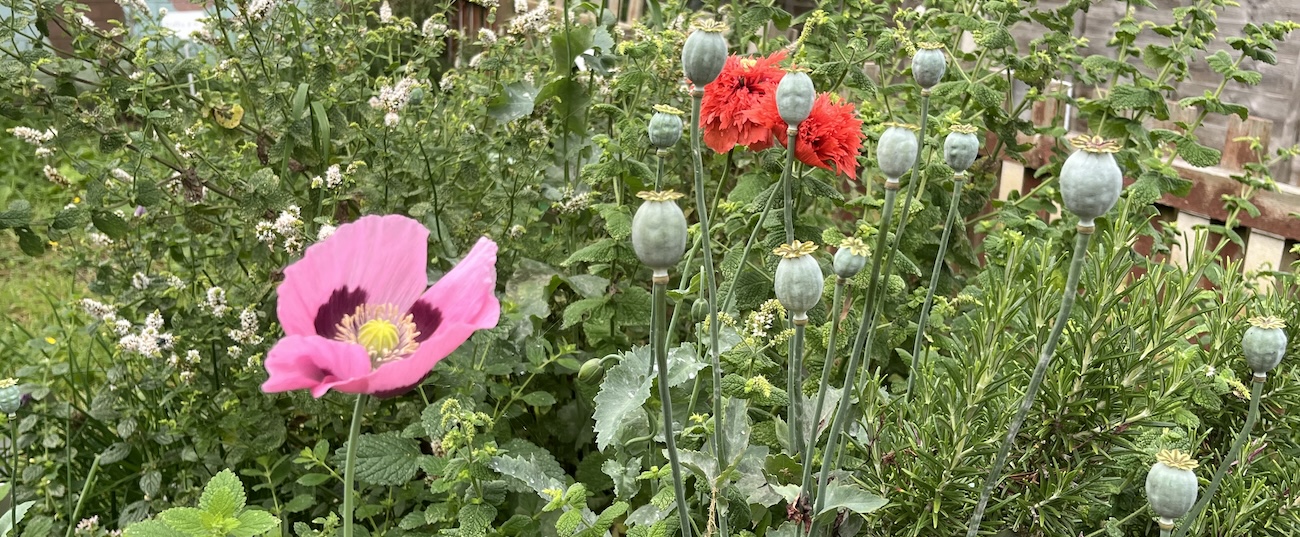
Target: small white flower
(391, 119)
(325, 231)
(1210, 371)
(487, 36)
(385, 12)
(140, 281)
(433, 29)
(216, 302)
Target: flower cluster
(333, 178)
(36, 138)
(149, 341)
(739, 109)
(258, 9)
(392, 99)
(186, 365)
(760, 321)
(99, 310)
(536, 21)
(216, 302)
(288, 226)
(246, 334)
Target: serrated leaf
(253, 523)
(567, 524)
(29, 242)
(109, 224)
(147, 193)
(539, 398)
(625, 389)
(151, 528)
(8, 520)
(1130, 97)
(577, 311)
(513, 101)
(387, 459)
(223, 495)
(598, 252)
(115, 452)
(67, 218)
(475, 519)
(842, 496)
(1220, 62)
(19, 214)
(528, 470)
(984, 95)
(313, 480)
(1197, 154)
(186, 520)
(150, 482)
(618, 220)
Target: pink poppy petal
(313, 362)
(460, 303)
(375, 260)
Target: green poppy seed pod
(590, 370)
(794, 97)
(798, 279)
(896, 150)
(704, 53)
(659, 231)
(1171, 484)
(700, 310)
(960, 148)
(665, 127)
(1090, 179)
(929, 64)
(11, 397)
(1264, 344)
(850, 259)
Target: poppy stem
(837, 303)
(795, 389)
(868, 317)
(1040, 371)
(706, 248)
(81, 499)
(792, 134)
(1256, 393)
(13, 478)
(658, 344)
(918, 346)
(349, 503)
(913, 185)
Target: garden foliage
(158, 185)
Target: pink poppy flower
(357, 316)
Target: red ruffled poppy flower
(731, 112)
(831, 137)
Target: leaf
(29, 242)
(540, 398)
(587, 285)
(1197, 154)
(475, 519)
(109, 224)
(624, 476)
(985, 95)
(618, 220)
(1220, 62)
(625, 389)
(186, 520)
(576, 311)
(223, 496)
(150, 482)
(528, 470)
(841, 496)
(683, 364)
(1130, 97)
(8, 521)
(597, 252)
(313, 480)
(253, 523)
(19, 214)
(149, 528)
(567, 524)
(387, 459)
(513, 101)
(115, 452)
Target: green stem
(85, 491)
(912, 186)
(660, 156)
(349, 503)
(1256, 393)
(727, 302)
(792, 134)
(836, 304)
(959, 180)
(1036, 381)
(795, 390)
(13, 479)
(657, 340)
(842, 410)
(706, 248)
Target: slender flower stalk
(912, 187)
(658, 343)
(85, 491)
(793, 134)
(349, 465)
(1256, 393)
(842, 411)
(959, 151)
(1040, 371)
(837, 302)
(918, 346)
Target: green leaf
(567, 524)
(150, 528)
(147, 193)
(8, 521)
(625, 389)
(529, 470)
(29, 242)
(1197, 154)
(540, 398)
(618, 220)
(67, 218)
(577, 311)
(313, 480)
(109, 223)
(18, 215)
(513, 101)
(187, 520)
(842, 496)
(253, 523)
(115, 452)
(475, 519)
(387, 459)
(985, 95)
(1130, 97)
(598, 252)
(1221, 63)
(605, 520)
(223, 496)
